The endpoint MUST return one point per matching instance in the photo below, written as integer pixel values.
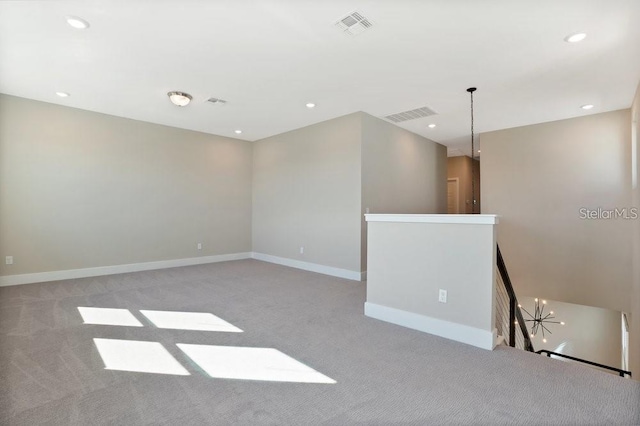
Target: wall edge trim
(38, 277)
(480, 338)
(308, 266)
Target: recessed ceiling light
(574, 38)
(311, 105)
(238, 131)
(62, 94)
(179, 98)
(588, 106)
(479, 151)
(77, 23)
(431, 126)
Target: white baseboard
(39, 277)
(308, 266)
(462, 333)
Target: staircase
(512, 327)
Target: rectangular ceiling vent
(216, 101)
(410, 115)
(353, 24)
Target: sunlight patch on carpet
(138, 356)
(243, 363)
(108, 316)
(200, 321)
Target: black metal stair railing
(621, 372)
(510, 322)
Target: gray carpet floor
(52, 373)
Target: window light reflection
(244, 363)
(108, 316)
(138, 356)
(189, 321)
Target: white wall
(412, 257)
(306, 192)
(80, 189)
(311, 187)
(634, 332)
(401, 173)
(537, 178)
(87, 190)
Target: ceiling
(268, 58)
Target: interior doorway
(453, 199)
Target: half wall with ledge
(434, 273)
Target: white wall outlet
(301, 249)
(442, 296)
(199, 246)
(8, 260)
(366, 211)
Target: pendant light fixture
(473, 154)
(539, 319)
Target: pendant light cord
(473, 151)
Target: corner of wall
(306, 192)
(634, 327)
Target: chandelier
(539, 319)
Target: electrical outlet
(366, 211)
(301, 249)
(442, 296)
(199, 246)
(8, 260)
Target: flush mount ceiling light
(238, 131)
(588, 106)
(63, 94)
(311, 105)
(77, 23)
(431, 126)
(179, 98)
(574, 38)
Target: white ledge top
(471, 219)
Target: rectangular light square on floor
(138, 356)
(267, 364)
(189, 321)
(108, 316)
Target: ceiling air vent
(353, 24)
(410, 115)
(216, 101)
